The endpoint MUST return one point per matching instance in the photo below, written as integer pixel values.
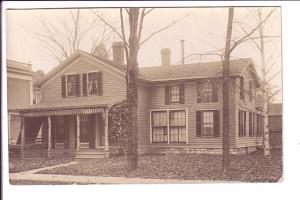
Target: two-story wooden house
(179, 106)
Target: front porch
(76, 133)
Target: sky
(203, 29)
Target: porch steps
(89, 154)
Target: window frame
(242, 88)
(242, 123)
(250, 90)
(168, 125)
(87, 83)
(66, 84)
(214, 90)
(170, 93)
(211, 123)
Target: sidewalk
(31, 176)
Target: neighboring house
(179, 106)
(275, 125)
(19, 95)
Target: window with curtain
(72, 85)
(159, 127)
(177, 126)
(207, 92)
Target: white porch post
(49, 137)
(106, 144)
(22, 136)
(78, 132)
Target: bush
(14, 151)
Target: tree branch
(105, 22)
(162, 29)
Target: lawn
(247, 168)
(19, 165)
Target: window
(73, 85)
(250, 90)
(177, 126)
(251, 124)
(159, 126)
(207, 123)
(170, 128)
(174, 94)
(207, 92)
(36, 97)
(92, 83)
(260, 125)
(242, 123)
(242, 95)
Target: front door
(87, 131)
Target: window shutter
(216, 123)
(181, 93)
(100, 83)
(167, 95)
(214, 92)
(84, 84)
(77, 85)
(63, 86)
(199, 124)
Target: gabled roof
(77, 54)
(195, 70)
(165, 73)
(275, 109)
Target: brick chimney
(165, 57)
(118, 53)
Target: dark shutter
(100, 83)
(63, 86)
(84, 84)
(199, 124)
(167, 95)
(181, 93)
(214, 92)
(216, 123)
(245, 125)
(77, 85)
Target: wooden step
(89, 154)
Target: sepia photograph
(144, 95)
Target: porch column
(49, 137)
(106, 144)
(78, 132)
(22, 136)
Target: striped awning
(63, 111)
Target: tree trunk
(226, 82)
(132, 89)
(264, 91)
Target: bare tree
(65, 37)
(132, 45)
(226, 80)
(266, 66)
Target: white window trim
(66, 84)
(87, 83)
(168, 122)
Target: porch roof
(70, 106)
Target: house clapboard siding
(248, 106)
(113, 85)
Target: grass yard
(247, 168)
(19, 165)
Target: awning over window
(63, 111)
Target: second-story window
(250, 90)
(207, 92)
(72, 85)
(174, 94)
(242, 95)
(92, 83)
